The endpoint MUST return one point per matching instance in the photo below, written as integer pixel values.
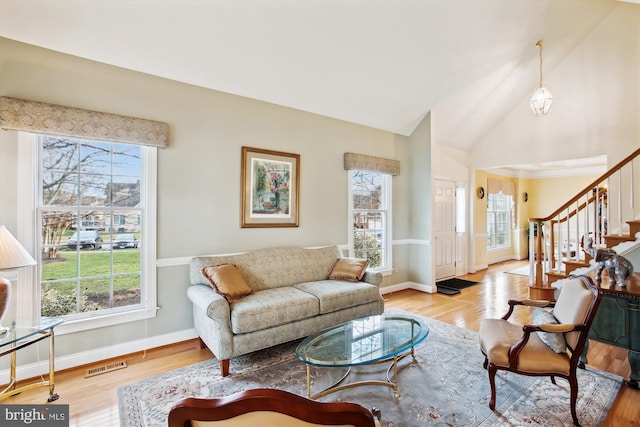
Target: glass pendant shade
(541, 101)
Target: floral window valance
(51, 119)
(370, 163)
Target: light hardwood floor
(93, 401)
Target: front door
(445, 228)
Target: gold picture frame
(270, 188)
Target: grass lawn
(94, 269)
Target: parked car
(88, 239)
(125, 241)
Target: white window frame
(387, 260)
(28, 297)
(509, 212)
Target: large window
(498, 220)
(95, 206)
(370, 217)
(90, 218)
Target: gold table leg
(391, 383)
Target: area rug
(521, 271)
(453, 286)
(444, 385)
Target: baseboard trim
(480, 267)
(430, 289)
(87, 357)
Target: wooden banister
(591, 186)
(596, 196)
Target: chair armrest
(536, 303)
(527, 330)
(527, 303)
(552, 327)
(546, 327)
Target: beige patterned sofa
(292, 297)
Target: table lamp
(12, 255)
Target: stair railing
(588, 221)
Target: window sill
(104, 320)
(385, 271)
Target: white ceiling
(383, 64)
(587, 166)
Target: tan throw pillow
(351, 269)
(226, 280)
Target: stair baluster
(551, 254)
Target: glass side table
(21, 336)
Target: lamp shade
(541, 101)
(12, 254)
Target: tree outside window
(369, 199)
(90, 193)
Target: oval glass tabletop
(363, 341)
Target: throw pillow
(554, 340)
(226, 280)
(350, 269)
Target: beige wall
(548, 194)
(199, 173)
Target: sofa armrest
(212, 319)
(210, 302)
(373, 277)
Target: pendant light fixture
(541, 99)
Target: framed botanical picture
(270, 188)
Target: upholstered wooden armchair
(551, 345)
(269, 408)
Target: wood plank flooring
(93, 401)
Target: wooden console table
(617, 322)
(22, 336)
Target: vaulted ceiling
(383, 64)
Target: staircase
(602, 215)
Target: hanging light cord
(539, 44)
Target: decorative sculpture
(590, 249)
(618, 267)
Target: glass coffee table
(386, 338)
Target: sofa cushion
(272, 307)
(336, 295)
(351, 269)
(226, 280)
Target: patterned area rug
(445, 385)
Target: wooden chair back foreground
(519, 348)
(269, 408)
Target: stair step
(587, 258)
(634, 227)
(570, 266)
(614, 239)
(553, 276)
